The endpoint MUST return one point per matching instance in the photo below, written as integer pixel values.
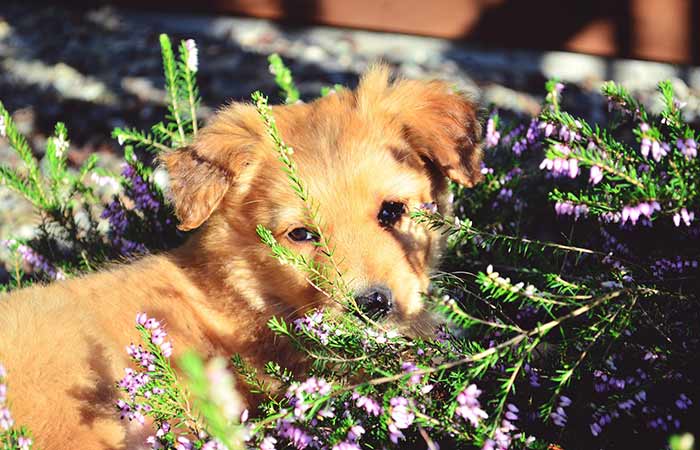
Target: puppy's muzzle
(376, 301)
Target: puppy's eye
(301, 235)
(390, 213)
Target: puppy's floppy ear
(442, 126)
(438, 123)
(197, 186)
(202, 173)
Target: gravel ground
(99, 68)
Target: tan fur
(63, 344)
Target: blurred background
(97, 65)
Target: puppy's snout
(376, 301)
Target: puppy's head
(368, 157)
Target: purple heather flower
(564, 401)
(684, 215)
(401, 418)
(183, 444)
(469, 407)
(6, 421)
(296, 436)
(689, 148)
(355, 432)
(567, 208)
(268, 443)
(683, 402)
(35, 260)
(595, 175)
(410, 367)
(345, 445)
(558, 416)
(573, 168)
(313, 324)
(24, 443)
(371, 406)
(492, 135)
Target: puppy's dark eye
(390, 213)
(301, 235)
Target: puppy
(368, 157)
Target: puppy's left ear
(442, 126)
(202, 173)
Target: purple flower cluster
(563, 165)
(643, 209)
(145, 201)
(595, 175)
(371, 406)
(351, 442)
(400, 418)
(558, 416)
(685, 216)
(492, 134)
(672, 266)
(295, 435)
(140, 191)
(313, 324)
(36, 261)
(137, 384)
(299, 394)
(156, 332)
(503, 437)
(688, 147)
(468, 405)
(567, 208)
(118, 219)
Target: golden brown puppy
(368, 156)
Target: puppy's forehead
(340, 150)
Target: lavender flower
(502, 437)
(689, 148)
(492, 135)
(24, 443)
(6, 421)
(298, 394)
(469, 407)
(684, 215)
(295, 435)
(567, 208)
(401, 418)
(268, 443)
(633, 213)
(595, 175)
(313, 324)
(558, 416)
(371, 406)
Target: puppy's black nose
(376, 301)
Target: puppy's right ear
(197, 186)
(202, 173)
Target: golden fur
(64, 344)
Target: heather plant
(568, 291)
